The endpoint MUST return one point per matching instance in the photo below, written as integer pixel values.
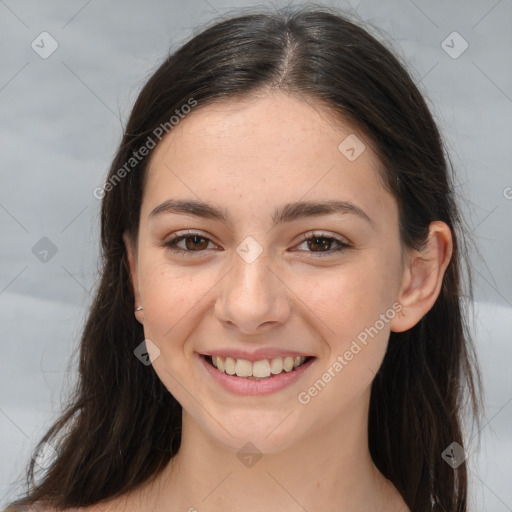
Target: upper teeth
(261, 369)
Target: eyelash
(172, 244)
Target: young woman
(278, 324)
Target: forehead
(265, 151)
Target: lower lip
(243, 386)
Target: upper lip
(256, 355)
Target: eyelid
(320, 233)
(188, 232)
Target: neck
(330, 470)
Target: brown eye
(321, 245)
(320, 242)
(195, 242)
(190, 243)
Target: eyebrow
(287, 213)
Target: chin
(268, 434)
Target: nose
(253, 298)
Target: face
(250, 274)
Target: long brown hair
(122, 426)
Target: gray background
(61, 119)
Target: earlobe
(423, 277)
(138, 311)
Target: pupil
(195, 244)
(325, 243)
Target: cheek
(173, 299)
(354, 312)
(171, 295)
(349, 299)
(354, 306)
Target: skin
(251, 157)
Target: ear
(131, 256)
(423, 276)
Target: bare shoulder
(111, 506)
(123, 503)
(97, 507)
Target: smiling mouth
(257, 370)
